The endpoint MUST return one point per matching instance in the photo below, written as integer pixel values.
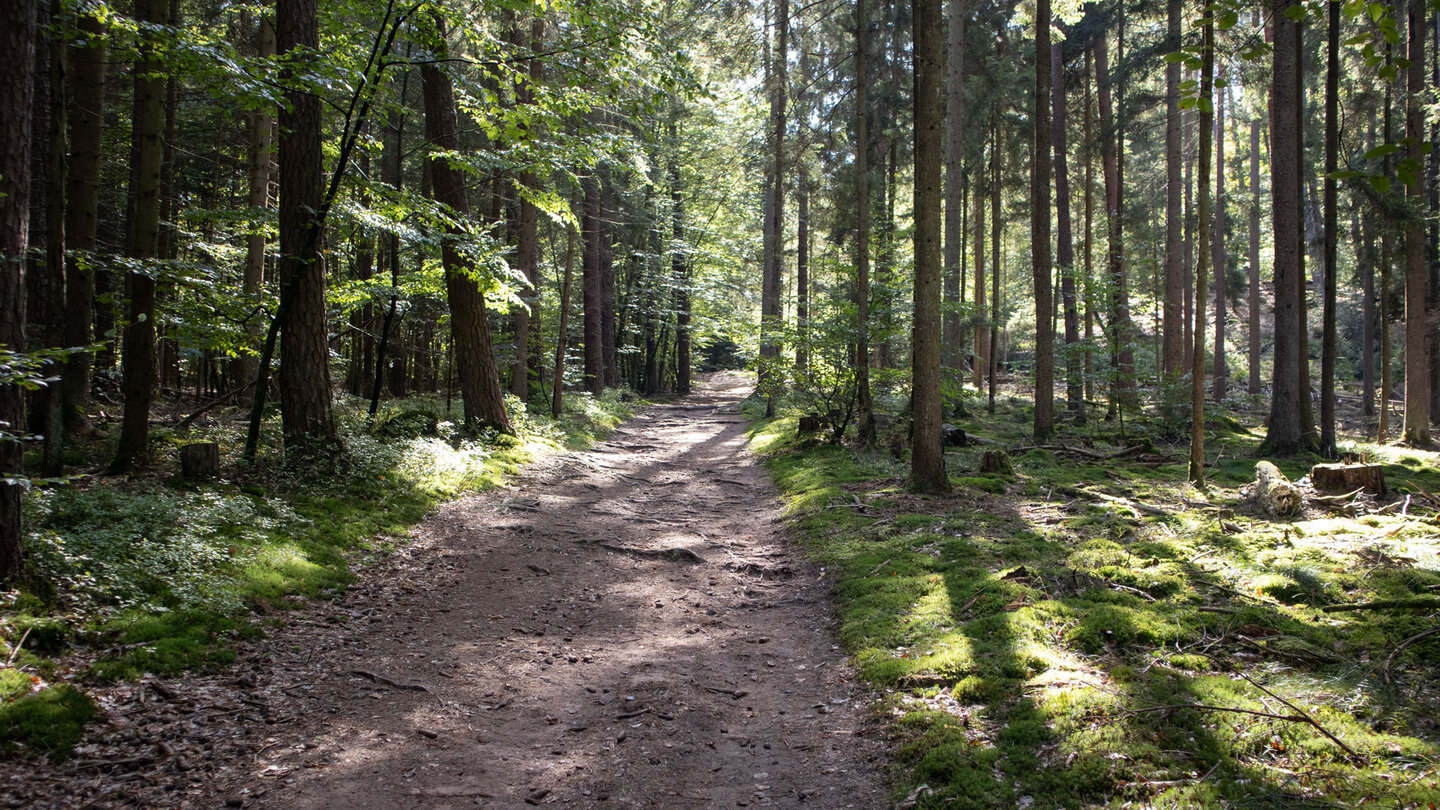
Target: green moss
(49, 722)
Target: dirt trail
(622, 627)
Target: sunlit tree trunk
(1417, 349)
(1285, 434)
(1173, 351)
(1332, 148)
(1202, 262)
(1254, 335)
(1217, 248)
(1065, 247)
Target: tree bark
(51, 56)
(86, 118)
(557, 403)
(1332, 148)
(1285, 436)
(1173, 348)
(773, 270)
(1040, 260)
(17, 41)
(1417, 348)
(1217, 247)
(590, 280)
(479, 375)
(954, 177)
(680, 277)
(143, 238)
(1064, 241)
(1202, 263)
(927, 456)
(1254, 336)
(865, 419)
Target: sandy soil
(623, 627)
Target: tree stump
(996, 461)
(954, 436)
(811, 423)
(200, 460)
(1341, 478)
(1274, 492)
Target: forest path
(625, 626)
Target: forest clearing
(385, 388)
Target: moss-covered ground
(1036, 640)
(150, 575)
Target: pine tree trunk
(1332, 148)
(1040, 259)
(86, 117)
(50, 56)
(1285, 435)
(1254, 336)
(1417, 348)
(680, 277)
(557, 403)
(479, 375)
(1173, 351)
(1064, 240)
(17, 41)
(927, 452)
(954, 178)
(1217, 243)
(590, 280)
(1202, 263)
(865, 419)
(143, 229)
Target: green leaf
(1377, 10)
(1296, 13)
(1188, 103)
(1380, 183)
(1405, 176)
(1175, 56)
(1228, 20)
(1382, 150)
(1344, 175)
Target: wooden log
(1338, 478)
(1274, 492)
(995, 461)
(954, 436)
(200, 460)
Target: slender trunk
(1040, 260)
(590, 281)
(680, 277)
(1173, 350)
(1202, 263)
(1332, 148)
(557, 403)
(802, 268)
(954, 178)
(86, 117)
(51, 57)
(865, 425)
(143, 238)
(1064, 241)
(1089, 277)
(981, 365)
(771, 313)
(1417, 354)
(1363, 223)
(927, 451)
(1386, 257)
(1254, 336)
(992, 346)
(1217, 248)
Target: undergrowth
(146, 575)
(1034, 644)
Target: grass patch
(1037, 645)
(49, 722)
(163, 576)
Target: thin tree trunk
(86, 117)
(1254, 336)
(1089, 283)
(1332, 148)
(590, 280)
(557, 404)
(772, 281)
(992, 346)
(1217, 243)
(1173, 350)
(865, 417)
(1040, 260)
(1417, 348)
(680, 277)
(1202, 263)
(54, 60)
(954, 178)
(1065, 246)
(981, 365)
(1363, 223)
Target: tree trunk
(1254, 336)
(590, 281)
(1173, 351)
(1285, 436)
(680, 277)
(1040, 260)
(927, 456)
(954, 178)
(1417, 348)
(143, 238)
(1065, 247)
(480, 390)
(802, 267)
(981, 366)
(773, 272)
(1089, 276)
(50, 56)
(556, 399)
(1217, 247)
(17, 41)
(1332, 148)
(86, 117)
(865, 419)
(609, 334)
(1202, 263)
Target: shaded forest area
(278, 278)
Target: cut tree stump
(1274, 492)
(995, 461)
(812, 423)
(1340, 478)
(200, 460)
(954, 436)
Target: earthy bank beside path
(624, 627)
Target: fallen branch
(1419, 603)
(381, 679)
(1390, 659)
(673, 554)
(1298, 717)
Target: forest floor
(625, 626)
